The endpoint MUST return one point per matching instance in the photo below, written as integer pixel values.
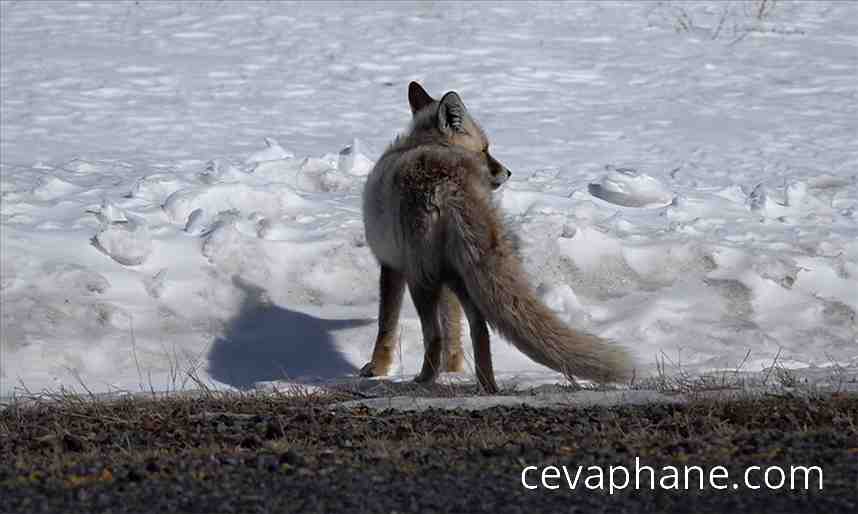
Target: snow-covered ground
(181, 181)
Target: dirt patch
(279, 453)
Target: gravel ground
(272, 453)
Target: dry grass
(730, 20)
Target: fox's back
(404, 196)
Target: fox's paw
(428, 374)
(426, 378)
(372, 369)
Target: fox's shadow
(265, 342)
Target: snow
(181, 182)
(626, 187)
(128, 242)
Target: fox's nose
(508, 173)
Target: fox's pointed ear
(451, 114)
(418, 98)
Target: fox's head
(449, 121)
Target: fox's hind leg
(427, 301)
(451, 327)
(479, 338)
(392, 285)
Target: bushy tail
(484, 257)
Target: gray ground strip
(579, 399)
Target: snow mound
(52, 187)
(352, 160)
(234, 253)
(200, 206)
(272, 152)
(128, 243)
(627, 187)
(123, 237)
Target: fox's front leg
(451, 327)
(392, 287)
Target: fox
(432, 225)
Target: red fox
(431, 224)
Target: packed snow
(181, 182)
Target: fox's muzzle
(499, 172)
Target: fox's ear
(451, 114)
(418, 98)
